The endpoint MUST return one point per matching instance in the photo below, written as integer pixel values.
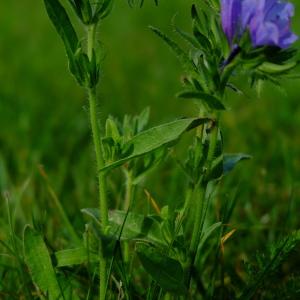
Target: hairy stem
(188, 200)
(130, 189)
(92, 95)
(99, 157)
(199, 218)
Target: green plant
(138, 246)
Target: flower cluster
(268, 21)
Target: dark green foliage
(267, 265)
(166, 271)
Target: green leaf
(136, 227)
(103, 9)
(156, 137)
(217, 169)
(212, 101)
(112, 130)
(76, 256)
(203, 41)
(231, 160)
(39, 263)
(206, 234)
(186, 36)
(166, 271)
(63, 25)
(271, 68)
(83, 9)
(143, 119)
(195, 16)
(65, 29)
(182, 56)
(224, 163)
(148, 163)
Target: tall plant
(230, 37)
(179, 247)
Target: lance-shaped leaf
(166, 271)
(225, 163)
(156, 137)
(207, 233)
(203, 41)
(62, 24)
(102, 10)
(136, 226)
(39, 263)
(183, 57)
(231, 160)
(65, 29)
(212, 101)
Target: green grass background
(43, 120)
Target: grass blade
(39, 263)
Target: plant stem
(202, 189)
(199, 208)
(212, 144)
(188, 200)
(197, 220)
(129, 196)
(99, 157)
(91, 34)
(92, 95)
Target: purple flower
(268, 21)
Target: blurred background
(43, 119)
